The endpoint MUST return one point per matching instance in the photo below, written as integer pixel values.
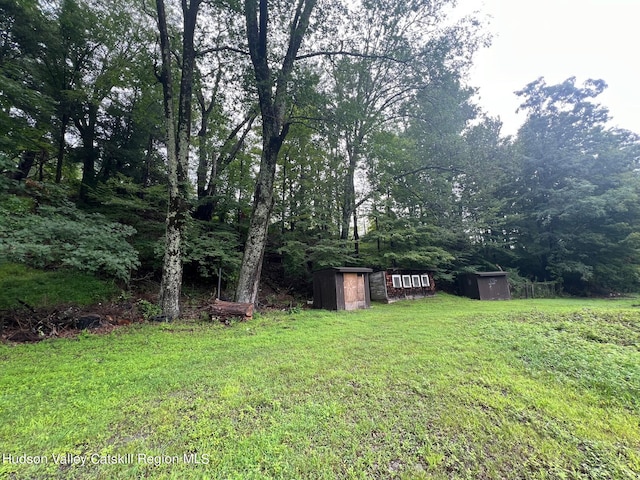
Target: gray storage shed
(485, 285)
(341, 288)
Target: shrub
(51, 236)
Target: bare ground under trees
(27, 324)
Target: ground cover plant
(439, 388)
(24, 287)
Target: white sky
(558, 39)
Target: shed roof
(348, 269)
(491, 274)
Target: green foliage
(331, 253)
(25, 108)
(578, 191)
(121, 199)
(437, 198)
(294, 259)
(301, 258)
(209, 246)
(408, 243)
(559, 202)
(148, 309)
(53, 236)
(39, 288)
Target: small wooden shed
(392, 285)
(341, 288)
(485, 285)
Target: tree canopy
(268, 139)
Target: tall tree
(577, 191)
(396, 49)
(225, 112)
(178, 140)
(25, 109)
(274, 97)
(427, 180)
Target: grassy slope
(40, 288)
(442, 388)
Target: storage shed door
(354, 296)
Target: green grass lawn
(438, 388)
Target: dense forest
(264, 139)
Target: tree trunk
(171, 283)
(172, 266)
(178, 139)
(26, 162)
(205, 113)
(356, 235)
(273, 102)
(229, 150)
(349, 200)
(205, 208)
(87, 129)
(61, 144)
(203, 167)
(284, 196)
(251, 268)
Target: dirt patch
(29, 324)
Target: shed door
(354, 296)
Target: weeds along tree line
(187, 139)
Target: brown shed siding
(325, 290)
(382, 288)
(341, 288)
(485, 286)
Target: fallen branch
(225, 310)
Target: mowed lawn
(438, 388)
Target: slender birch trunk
(178, 140)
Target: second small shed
(392, 285)
(485, 285)
(341, 288)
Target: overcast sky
(558, 39)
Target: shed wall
(341, 289)
(494, 288)
(378, 286)
(485, 286)
(469, 286)
(382, 288)
(325, 291)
